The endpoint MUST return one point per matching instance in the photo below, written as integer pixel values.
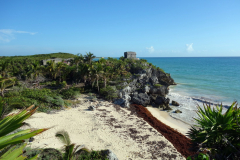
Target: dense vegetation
(25, 81)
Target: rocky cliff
(147, 86)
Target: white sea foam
(188, 106)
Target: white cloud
(190, 47)
(150, 49)
(6, 35)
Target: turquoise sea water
(211, 79)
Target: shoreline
(188, 105)
(167, 119)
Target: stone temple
(130, 55)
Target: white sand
(128, 136)
(170, 121)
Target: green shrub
(64, 84)
(70, 93)
(157, 85)
(50, 154)
(200, 156)
(109, 92)
(218, 132)
(54, 83)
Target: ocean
(199, 79)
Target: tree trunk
(105, 82)
(2, 92)
(77, 67)
(97, 84)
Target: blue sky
(153, 28)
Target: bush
(157, 85)
(64, 84)
(50, 154)
(200, 156)
(70, 93)
(218, 132)
(109, 92)
(55, 101)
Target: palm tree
(106, 74)
(4, 68)
(78, 59)
(59, 69)
(51, 68)
(89, 57)
(6, 82)
(70, 149)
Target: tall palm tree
(6, 82)
(78, 59)
(106, 74)
(59, 69)
(51, 68)
(4, 68)
(89, 57)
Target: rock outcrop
(141, 99)
(144, 87)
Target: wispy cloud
(6, 35)
(150, 49)
(190, 47)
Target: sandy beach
(164, 117)
(108, 127)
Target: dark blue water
(213, 78)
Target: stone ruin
(130, 55)
(57, 60)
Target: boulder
(141, 99)
(91, 108)
(178, 111)
(110, 155)
(119, 102)
(174, 103)
(166, 107)
(162, 100)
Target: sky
(108, 28)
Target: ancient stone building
(130, 55)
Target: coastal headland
(118, 117)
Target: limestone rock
(174, 103)
(119, 102)
(162, 91)
(146, 89)
(141, 99)
(91, 108)
(110, 155)
(167, 107)
(178, 111)
(162, 100)
(154, 80)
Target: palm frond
(64, 137)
